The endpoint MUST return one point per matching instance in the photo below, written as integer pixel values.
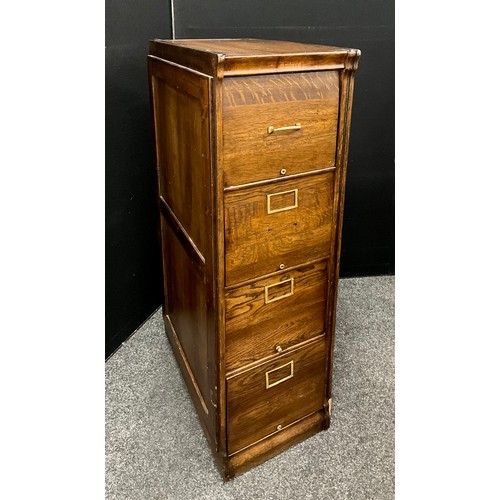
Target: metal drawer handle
(297, 126)
(289, 207)
(288, 377)
(267, 300)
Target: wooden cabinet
(251, 141)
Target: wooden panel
(218, 217)
(250, 56)
(252, 104)
(274, 444)
(181, 106)
(258, 242)
(199, 60)
(255, 412)
(255, 329)
(187, 310)
(237, 47)
(182, 236)
(272, 64)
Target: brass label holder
(283, 209)
(288, 377)
(267, 300)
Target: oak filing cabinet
(251, 144)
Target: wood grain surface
(184, 167)
(249, 56)
(252, 47)
(274, 444)
(256, 330)
(183, 147)
(257, 243)
(255, 412)
(187, 310)
(250, 231)
(252, 104)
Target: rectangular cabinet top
(243, 56)
(240, 47)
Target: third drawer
(273, 314)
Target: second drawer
(277, 226)
(272, 314)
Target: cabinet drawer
(273, 314)
(272, 227)
(269, 397)
(252, 151)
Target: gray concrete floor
(155, 448)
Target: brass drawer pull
(288, 377)
(297, 126)
(289, 207)
(267, 300)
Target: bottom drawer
(271, 396)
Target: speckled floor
(155, 448)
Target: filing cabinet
(251, 140)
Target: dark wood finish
(250, 253)
(278, 179)
(255, 411)
(250, 56)
(188, 57)
(183, 151)
(182, 123)
(273, 445)
(187, 311)
(182, 235)
(252, 104)
(258, 242)
(218, 242)
(254, 47)
(256, 330)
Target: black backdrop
(132, 259)
(132, 262)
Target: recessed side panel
(187, 310)
(181, 109)
(181, 103)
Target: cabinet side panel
(187, 310)
(183, 148)
(181, 106)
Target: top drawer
(251, 104)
